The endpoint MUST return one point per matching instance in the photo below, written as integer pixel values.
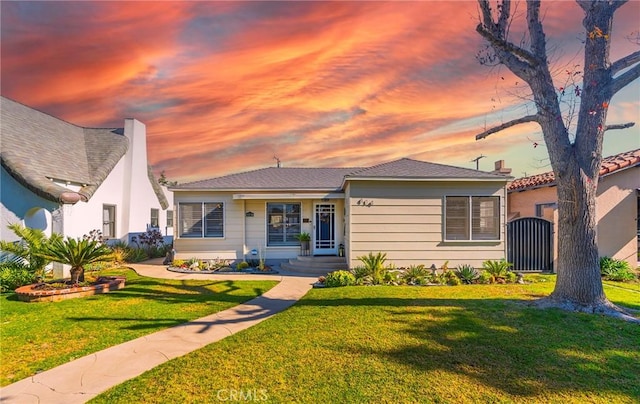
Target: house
(416, 212)
(617, 204)
(64, 178)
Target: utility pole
(477, 161)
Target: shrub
(467, 273)
(485, 278)
(136, 255)
(497, 269)
(511, 277)
(415, 273)
(374, 266)
(615, 270)
(177, 263)
(339, 278)
(14, 274)
(242, 265)
(451, 279)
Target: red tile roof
(609, 165)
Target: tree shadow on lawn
(522, 351)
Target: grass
(411, 344)
(40, 336)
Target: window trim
(111, 223)
(157, 218)
(470, 218)
(294, 243)
(203, 226)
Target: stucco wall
(616, 212)
(617, 215)
(405, 221)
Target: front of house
(416, 212)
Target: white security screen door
(324, 235)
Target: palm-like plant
(497, 269)
(28, 249)
(374, 265)
(77, 253)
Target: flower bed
(222, 271)
(39, 292)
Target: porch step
(320, 265)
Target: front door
(324, 234)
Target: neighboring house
(617, 204)
(416, 212)
(63, 178)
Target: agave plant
(32, 242)
(77, 253)
(467, 273)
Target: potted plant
(305, 240)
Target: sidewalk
(82, 379)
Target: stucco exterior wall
(616, 212)
(617, 215)
(405, 221)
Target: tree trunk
(579, 281)
(77, 275)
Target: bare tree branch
(524, 119)
(499, 43)
(619, 126)
(624, 79)
(538, 41)
(625, 62)
(586, 4)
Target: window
(169, 218)
(108, 221)
(541, 206)
(283, 224)
(201, 219)
(472, 218)
(155, 218)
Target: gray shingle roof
(37, 147)
(276, 178)
(408, 169)
(331, 179)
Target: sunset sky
(226, 86)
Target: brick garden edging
(29, 294)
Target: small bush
(13, 275)
(242, 265)
(466, 273)
(511, 277)
(615, 270)
(339, 278)
(136, 255)
(498, 269)
(485, 278)
(177, 263)
(415, 273)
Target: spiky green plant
(497, 269)
(415, 273)
(32, 242)
(77, 253)
(467, 273)
(374, 265)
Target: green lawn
(411, 344)
(40, 336)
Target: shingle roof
(609, 165)
(409, 168)
(331, 179)
(276, 178)
(37, 147)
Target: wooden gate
(530, 244)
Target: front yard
(476, 343)
(40, 336)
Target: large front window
(283, 224)
(201, 219)
(472, 218)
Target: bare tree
(575, 160)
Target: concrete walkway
(82, 379)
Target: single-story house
(68, 179)
(617, 204)
(416, 212)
